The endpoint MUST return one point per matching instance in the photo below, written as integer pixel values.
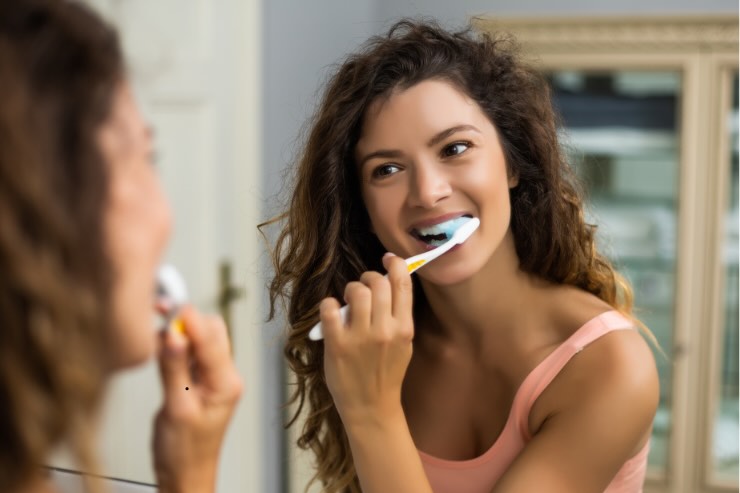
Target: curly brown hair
(59, 67)
(326, 240)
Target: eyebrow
(391, 154)
(452, 130)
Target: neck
(497, 299)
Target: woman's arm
(385, 456)
(599, 414)
(365, 362)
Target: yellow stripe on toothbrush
(416, 265)
(177, 325)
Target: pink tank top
(479, 475)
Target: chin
(454, 267)
(446, 276)
(134, 346)
(141, 355)
(133, 359)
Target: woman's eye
(455, 149)
(385, 170)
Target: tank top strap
(544, 373)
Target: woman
(83, 225)
(474, 386)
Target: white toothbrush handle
(417, 261)
(317, 332)
(413, 263)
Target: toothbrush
(413, 264)
(171, 295)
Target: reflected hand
(201, 390)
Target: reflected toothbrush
(171, 295)
(413, 264)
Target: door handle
(227, 293)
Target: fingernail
(176, 342)
(389, 254)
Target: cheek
(120, 220)
(488, 178)
(370, 200)
(138, 225)
(164, 218)
(140, 220)
(383, 208)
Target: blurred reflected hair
(60, 65)
(325, 240)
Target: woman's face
(426, 155)
(137, 226)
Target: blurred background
(648, 93)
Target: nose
(429, 185)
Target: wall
(301, 39)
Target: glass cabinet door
(620, 131)
(641, 101)
(724, 439)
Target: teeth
(442, 231)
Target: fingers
(211, 350)
(360, 299)
(366, 359)
(331, 320)
(174, 367)
(401, 287)
(190, 426)
(380, 291)
(373, 302)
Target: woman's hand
(365, 360)
(201, 390)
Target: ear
(513, 180)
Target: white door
(195, 66)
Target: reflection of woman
(83, 223)
(518, 378)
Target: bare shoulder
(594, 417)
(615, 373)
(619, 362)
(612, 380)
(569, 308)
